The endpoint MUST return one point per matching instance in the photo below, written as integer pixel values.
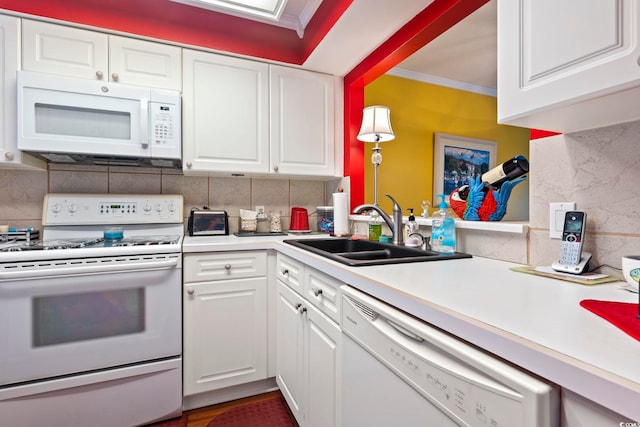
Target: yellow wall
(418, 111)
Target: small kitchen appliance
(80, 121)
(207, 222)
(90, 327)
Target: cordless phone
(572, 259)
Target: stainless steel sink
(366, 252)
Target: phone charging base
(581, 267)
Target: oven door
(77, 322)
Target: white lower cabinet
(225, 320)
(307, 356)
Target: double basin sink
(366, 252)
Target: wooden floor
(200, 417)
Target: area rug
(264, 413)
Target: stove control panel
(87, 209)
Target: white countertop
(534, 322)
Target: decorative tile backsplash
(22, 192)
(597, 169)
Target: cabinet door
(225, 334)
(290, 350)
(225, 114)
(58, 49)
(555, 60)
(302, 122)
(323, 369)
(10, 157)
(140, 62)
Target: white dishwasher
(398, 371)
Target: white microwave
(81, 121)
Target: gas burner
(69, 244)
(143, 241)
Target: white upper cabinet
(10, 157)
(566, 66)
(75, 52)
(247, 117)
(302, 122)
(225, 114)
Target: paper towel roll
(340, 214)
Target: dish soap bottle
(375, 228)
(412, 225)
(443, 229)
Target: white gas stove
(92, 312)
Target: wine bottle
(508, 171)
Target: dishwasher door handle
(405, 331)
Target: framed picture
(456, 160)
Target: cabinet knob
(9, 155)
(302, 309)
(317, 292)
(115, 77)
(275, 168)
(189, 165)
(190, 291)
(285, 272)
(227, 266)
(99, 74)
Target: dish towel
(621, 314)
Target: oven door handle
(89, 266)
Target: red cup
(299, 219)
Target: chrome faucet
(395, 224)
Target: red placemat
(621, 314)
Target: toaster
(208, 222)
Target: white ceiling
(364, 26)
(465, 56)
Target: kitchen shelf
(515, 227)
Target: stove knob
(72, 208)
(56, 208)
(146, 207)
(172, 207)
(159, 207)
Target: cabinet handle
(285, 272)
(99, 74)
(190, 291)
(275, 168)
(227, 266)
(317, 292)
(115, 77)
(301, 309)
(298, 306)
(9, 155)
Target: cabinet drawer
(323, 292)
(290, 272)
(224, 265)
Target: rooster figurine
(471, 202)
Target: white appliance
(91, 327)
(399, 371)
(80, 121)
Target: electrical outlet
(556, 217)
